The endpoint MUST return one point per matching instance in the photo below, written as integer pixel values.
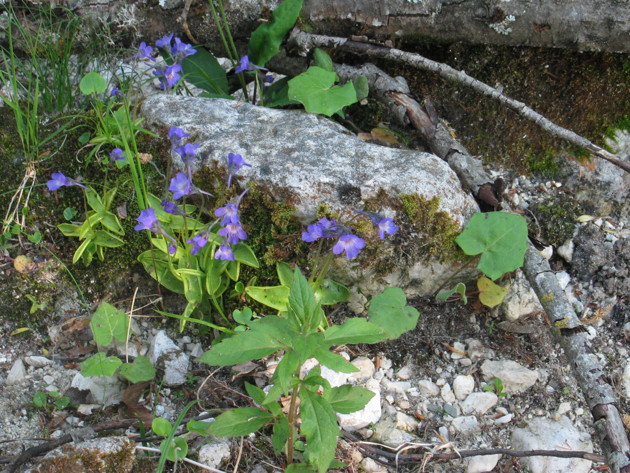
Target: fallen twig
(306, 41)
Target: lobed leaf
(239, 422)
(140, 370)
(490, 294)
(389, 310)
(315, 90)
(100, 365)
(108, 323)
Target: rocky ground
(466, 378)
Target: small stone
(506, 419)
(579, 411)
(405, 373)
(366, 369)
(403, 404)
(463, 386)
(428, 388)
(406, 422)
(479, 403)
(566, 250)
(51, 389)
(447, 394)
(465, 424)
(370, 466)
(520, 299)
(386, 363)
(37, 361)
(16, 374)
(459, 349)
(482, 463)
(214, 453)
(370, 414)
(563, 408)
(465, 362)
(547, 252)
(625, 379)
(385, 431)
(48, 379)
(476, 350)
(163, 352)
(105, 390)
(515, 378)
(395, 387)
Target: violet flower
(233, 233)
(349, 243)
(234, 163)
(180, 186)
(247, 65)
(181, 50)
(58, 179)
(148, 221)
(115, 92)
(198, 242)
(229, 212)
(176, 135)
(386, 226)
(165, 42)
(169, 76)
(144, 52)
(172, 208)
(117, 155)
(224, 252)
(187, 151)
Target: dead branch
(589, 371)
(306, 41)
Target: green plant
(496, 387)
(500, 239)
(51, 401)
(296, 333)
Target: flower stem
(291, 419)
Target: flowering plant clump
(174, 51)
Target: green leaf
(500, 238)
(233, 270)
(156, 264)
(176, 450)
(322, 59)
(243, 317)
(490, 294)
(69, 213)
(347, 399)
(265, 41)
(106, 239)
(285, 274)
(280, 434)
(361, 87)
(265, 337)
(299, 468)
(389, 310)
(161, 426)
(239, 422)
(108, 323)
(100, 365)
(198, 426)
(315, 90)
(68, 229)
(62, 402)
(302, 307)
(277, 94)
(355, 330)
(204, 71)
(83, 247)
(92, 83)
(319, 426)
(111, 222)
(94, 200)
(331, 293)
(244, 254)
(276, 297)
(459, 289)
(108, 197)
(40, 400)
(191, 277)
(214, 277)
(283, 373)
(333, 361)
(257, 394)
(140, 370)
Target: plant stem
(457, 271)
(292, 413)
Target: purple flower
(187, 151)
(233, 232)
(58, 179)
(268, 79)
(234, 163)
(180, 186)
(172, 249)
(144, 52)
(180, 50)
(229, 212)
(329, 226)
(386, 226)
(224, 252)
(247, 65)
(148, 221)
(169, 76)
(176, 135)
(198, 242)
(313, 232)
(115, 92)
(165, 42)
(172, 208)
(349, 243)
(117, 155)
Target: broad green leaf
(490, 294)
(92, 83)
(110, 221)
(108, 323)
(244, 254)
(276, 297)
(389, 310)
(40, 400)
(331, 293)
(243, 317)
(161, 426)
(69, 229)
(277, 94)
(62, 403)
(191, 277)
(83, 247)
(176, 450)
(322, 59)
(100, 365)
(265, 41)
(214, 276)
(355, 330)
(500, 238)
(347, 399)
(108, 197)
(285, 274)
(239, 422)
(140, 370)
(199, 426)
(156, 264)
(319, 426)
(280, 434)
(233, 270)
(302, 307)
(460, 289)
(257, 394)
(315, 90)
(361, 87)
(68, 214)
(106, 239)
(283, 373)
(265, 337)
(300, 468)
(204, 71)
(333, 361)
